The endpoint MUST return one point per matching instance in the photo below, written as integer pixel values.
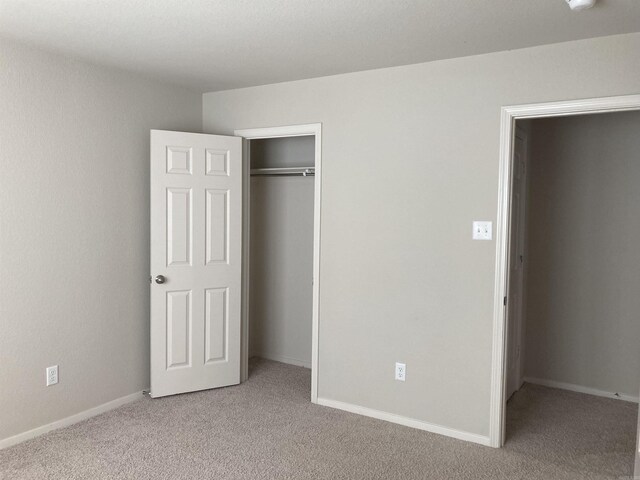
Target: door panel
(217, 226)
(178, 329)
(216, 324)
(196, 241)
(178, 226)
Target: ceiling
(211, 45)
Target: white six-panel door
(515, 304)
(196, 249)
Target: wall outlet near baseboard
(401, 371)
(52, 375)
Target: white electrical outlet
(52, 375)
(401, 371)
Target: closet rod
(284, 171)
(282, 175)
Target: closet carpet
(266, 428)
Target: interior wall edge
(68, 421)
(581, 389)
(283, 359)
(406, 421)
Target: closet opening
(572, 298)
(281, 221)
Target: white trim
(65, 422)
(406, 421)
(580, 389)
(509, 116)
(246, 235)
(278, 132)
(284, 359)
(575, 107)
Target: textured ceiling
(221, 44)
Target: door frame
(248, 134)
(509, 115)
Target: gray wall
(283, 152)
(281, 259)
(74, 231)
(583, 316)
(410, 159)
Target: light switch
(482, 231)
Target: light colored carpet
(266, 428)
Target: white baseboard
(283, 359)
(580, 389)
(406, 421)
(65, 422)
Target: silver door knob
(160, 279)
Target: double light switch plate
(482, 230)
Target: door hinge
(505, 301)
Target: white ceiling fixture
(209, 45)
(580, 4)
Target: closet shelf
(284, 171)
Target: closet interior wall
(582, 325)
(281, 252)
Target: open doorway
(281, 247)
(571, 360)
